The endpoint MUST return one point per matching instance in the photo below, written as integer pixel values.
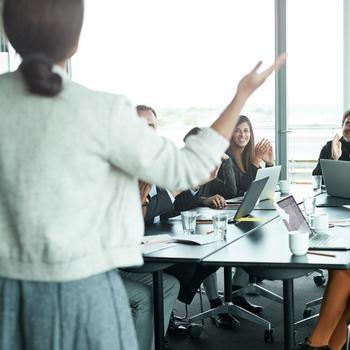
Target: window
(183, 58)
(314, 77)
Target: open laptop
(336, 174)
(244, 207)
(273, 174)
(337, 238)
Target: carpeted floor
(250, 336)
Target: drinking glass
(317, 182)
(220, 225)
(309, 207)
(188, 219)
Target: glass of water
(309, 207)
(317, 182)
(220, 225)
(188, 219)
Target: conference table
(260, 246)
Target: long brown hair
(43, 32)
(249, 150)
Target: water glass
(309, 207)
(220, 225)
(188, 219)
(317, 182)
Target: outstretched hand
(249, 83)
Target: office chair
(307, 314)
(188, 328)
(237, 311)
(254, 288)
(309, 306)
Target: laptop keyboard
(322, 240)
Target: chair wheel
(269, 335)
(319, 280)
(307, 312)
(194, 330)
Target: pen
(209, 232)
(322, 254)
(199, 222)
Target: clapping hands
(336, 147)
(264, 151)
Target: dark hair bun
(37, 72)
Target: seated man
(139, 289)
(338, 148)
(158, 204)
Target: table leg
(288, 308)
(158, 303)
(228, 284)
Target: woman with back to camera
(70, 210)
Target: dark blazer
(326, 153)
(242, 180)
(189, 275)
(159, 205)
(224, 186)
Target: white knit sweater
(69, 199)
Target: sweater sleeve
(136, 149)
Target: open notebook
(199, 239)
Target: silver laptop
(336, 175)
(273, 173)
(338, 238)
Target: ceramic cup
(298, 242)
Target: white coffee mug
(319, 222)
(284, 186)
(298, 242)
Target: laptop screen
(291, 215)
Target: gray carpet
(250, 336)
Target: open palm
(253, 79)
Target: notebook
(336, 174)
(337, 238)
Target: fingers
(256, 67)
(218, 202)
(280, 61)
(263, 146)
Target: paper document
(151, 248)
(166, 240)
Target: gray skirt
(88, 314)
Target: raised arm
(226, 122)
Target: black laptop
(244, 206)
